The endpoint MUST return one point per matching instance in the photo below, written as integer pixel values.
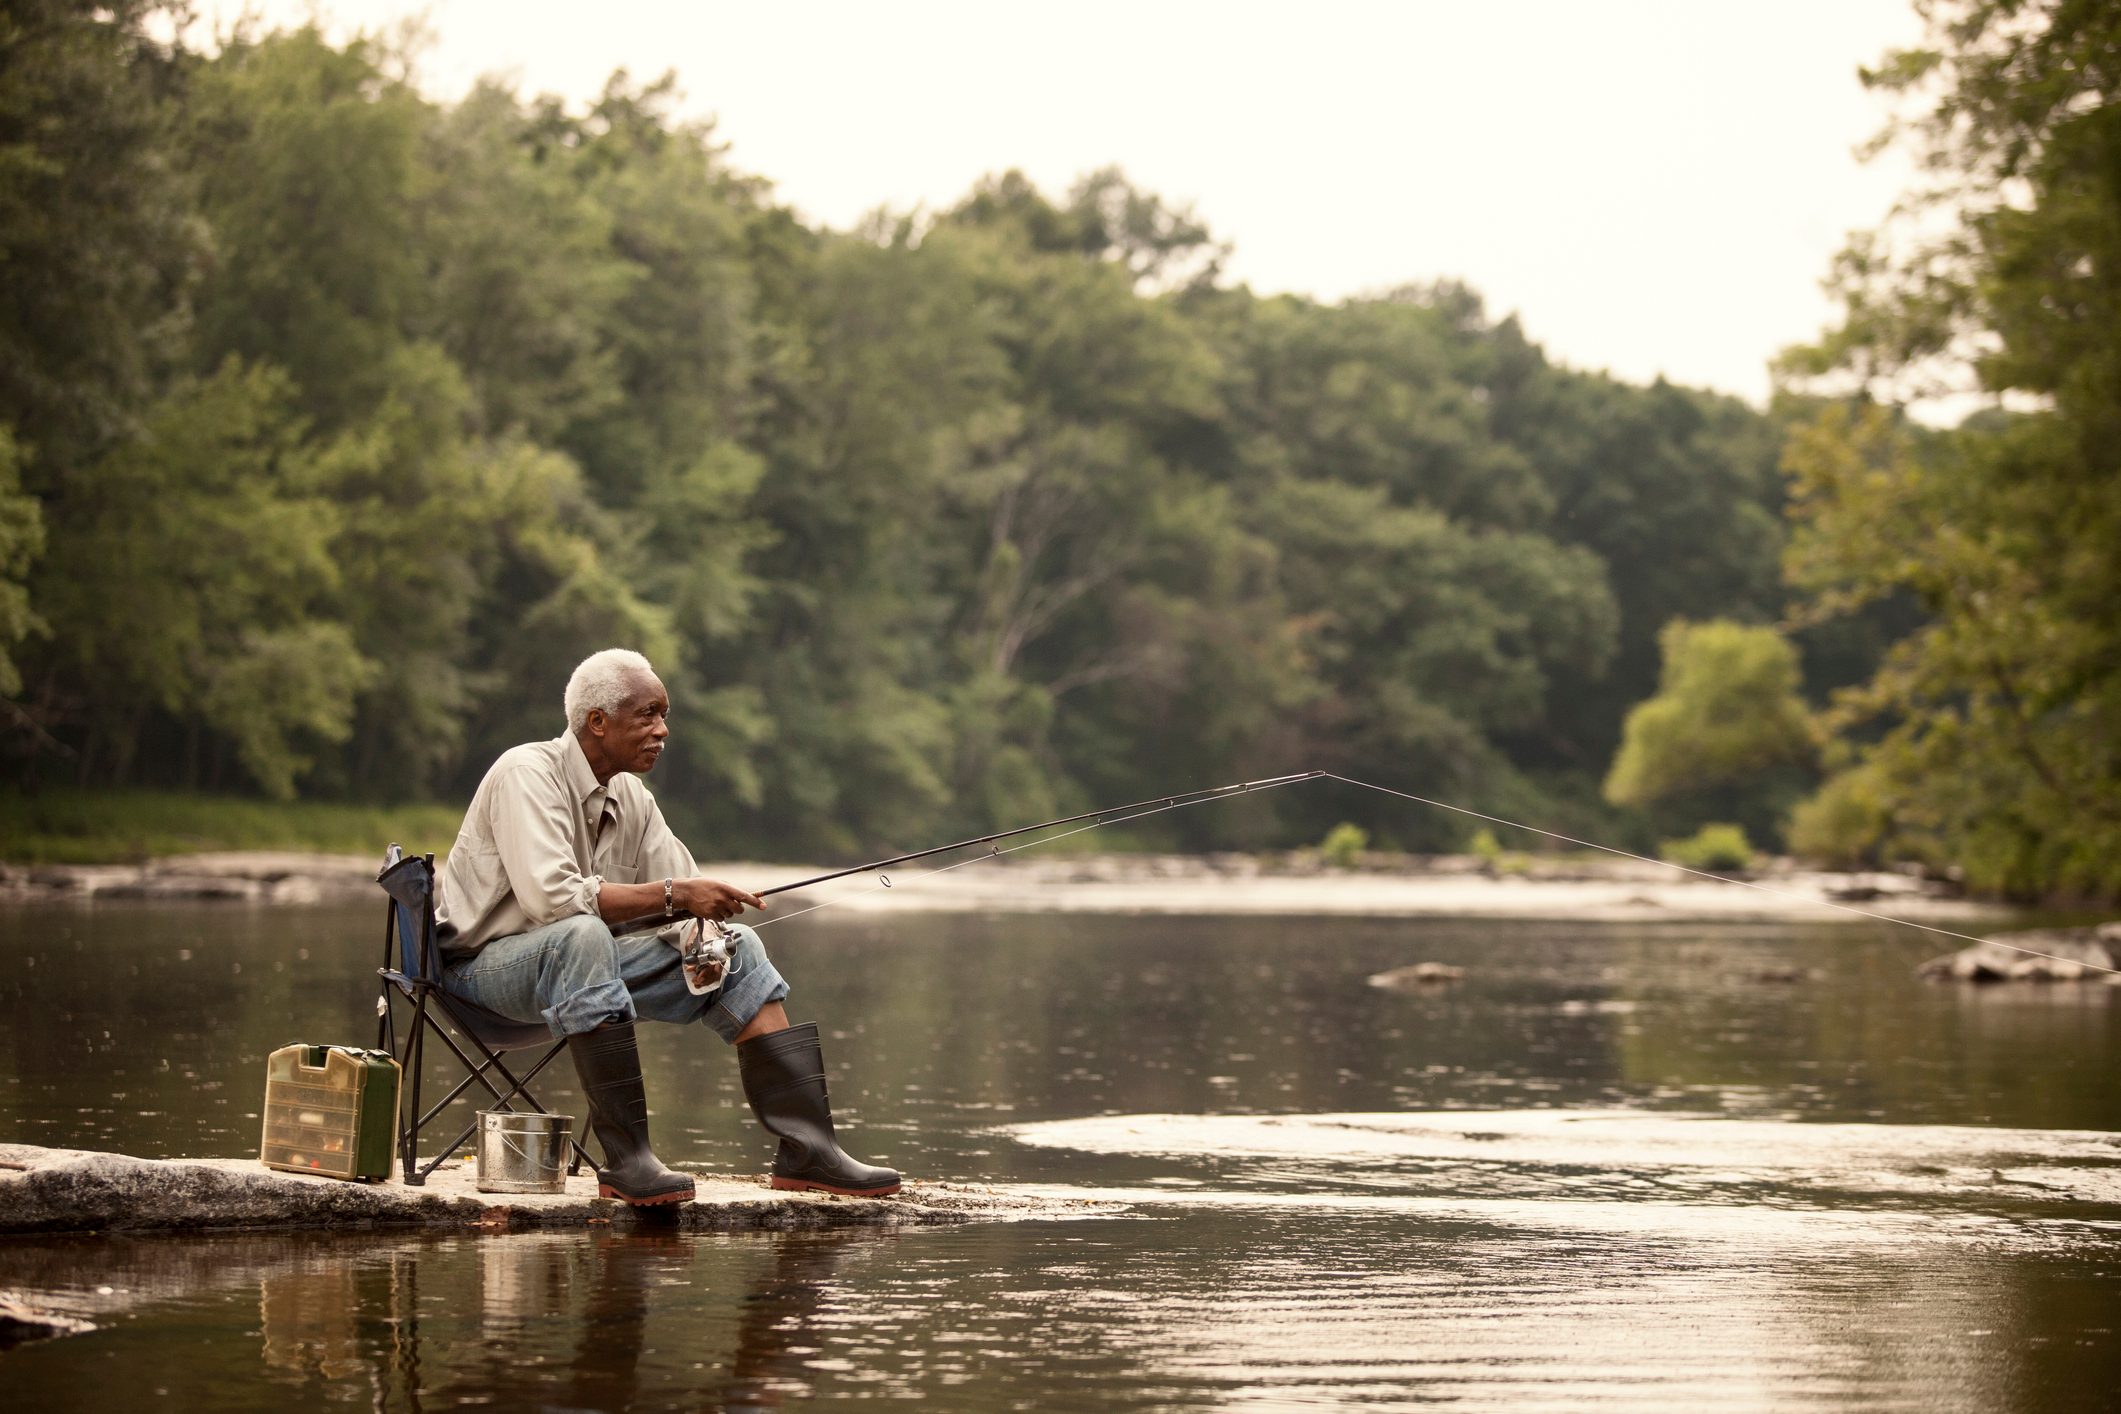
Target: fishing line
(1720, 878)
(1184, 799)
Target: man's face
(634, 734)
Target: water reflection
(1212, 1299)
(309, 1317)
(569, 1323)
(527, 1321)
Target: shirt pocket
(478, 863)
(616, 862)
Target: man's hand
(712, 899)
(702, 898)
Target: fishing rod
(1153, 805)
(714, 947)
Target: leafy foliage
(1343, 845)
(1843, 824)
(21, 541)
(96, 236)
(1989, 737)
(386, 411)
(1714, 848)
(1726, 710)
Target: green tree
(1990, 739)
(21, 540)
(417, 539)
(1106, 219)
(1376, 392)
(1727, 712)
(96, 236)
(526, 273)
(876, 373)
(97, 242)
(192, 574)
(1676, 491)
(948, 520)
(307, 163)
(678, 328)
(1431, 639)
(1076, 533)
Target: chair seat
(495, 1031)
(498, 1032)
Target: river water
(1748, 1166)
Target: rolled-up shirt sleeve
(531, 833)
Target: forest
(338, 422)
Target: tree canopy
(1989, 738)
(1727, 719)
(351, 419)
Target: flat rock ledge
(74, 1190)
(2070, 955)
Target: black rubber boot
(610, 1066)
(784, 1079)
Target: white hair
(599, 684)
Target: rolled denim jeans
(574, 976)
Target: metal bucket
(523, 1153)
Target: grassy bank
(116, 827)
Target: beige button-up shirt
(540, 838)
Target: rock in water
(1421, 974)
(1786, 974)
(75, 1190)
(2072, 955)
(20, 1321)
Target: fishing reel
(708, 954)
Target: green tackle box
(330, 1110)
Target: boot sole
(802, 1184)
(653, 1200)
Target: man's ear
(595, 722)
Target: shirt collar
(575, 766)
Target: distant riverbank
(130, 827)
(1389, 886)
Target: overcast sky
(1652, 187)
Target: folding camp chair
(408, 932)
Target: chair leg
(415, 1051)
(387, 1042)
(502, 1098)
(413, 1120)
(471, 1077)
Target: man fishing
(561, 842)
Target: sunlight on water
(1629, 1155)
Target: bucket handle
(519, 1147)
(511, 1138)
